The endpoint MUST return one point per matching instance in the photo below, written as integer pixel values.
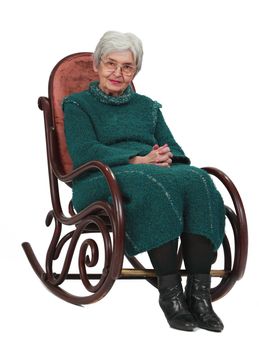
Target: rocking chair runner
(73, 74)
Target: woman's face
(116, 71)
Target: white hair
(112, 41)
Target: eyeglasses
(112, 66)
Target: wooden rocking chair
(73, 74)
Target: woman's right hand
(161, 156)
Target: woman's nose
(117, 71)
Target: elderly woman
(164, 196)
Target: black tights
(198, 255)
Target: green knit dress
(159, 203)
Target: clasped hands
(161, 156)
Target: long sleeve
(82, 141)
(163, 135)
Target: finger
(162, 147)
(164, 165)
(163, 150)
(163, 158)
(165, 145)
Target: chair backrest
(72, 74)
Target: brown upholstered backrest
(71, 74)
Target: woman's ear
(95, 67)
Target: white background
(201, 62)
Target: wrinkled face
(116, 71)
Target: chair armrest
(242, 244)
(231, 188)
(112, 184)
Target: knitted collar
(108, 99)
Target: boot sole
(184, 328)
(217, 330)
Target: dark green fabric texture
(159, 203)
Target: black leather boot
(173, 303)
(198, 299)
